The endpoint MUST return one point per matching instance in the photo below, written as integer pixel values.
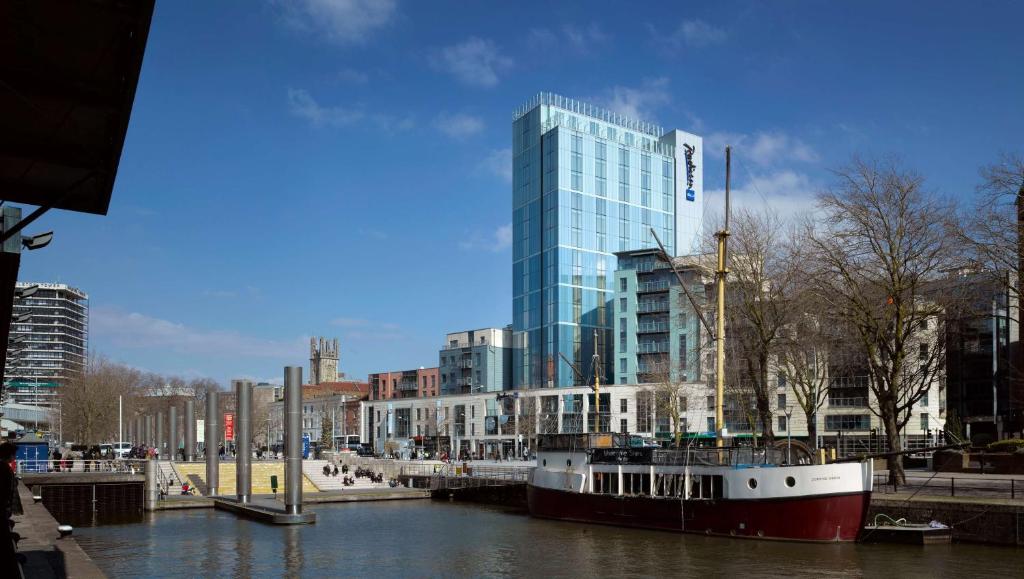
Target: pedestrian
(335, 472)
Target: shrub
(1008, 445)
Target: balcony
(652, 307)
(652, 328)
(652, 286)
(652, 347)
(467, 363)
(464, 382)
(858, 402)
(407, 385)
(849, 382)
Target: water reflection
(422, 538)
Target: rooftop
(589, 110)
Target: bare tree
(881, 246)
(672, 396)
(992, 230)
(804, 361)
(757, 307)
(89, 400)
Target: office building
(587, 183)
(476, 361)
(48, 342)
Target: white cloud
(302, 104)
(459, 125)
(581, 39)
(476, 62)
(499, 162)
(637, 103)
(498, 240)
(353, 76)
(787, 192)
(694, 33)
(339, 21)
(136, 330)
(762, 148)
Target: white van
(121, 449)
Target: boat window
(790, 482)
(752, 483)
(669, 485)
(635, 483)
(705, 487)
(606, 483)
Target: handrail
(79, 466)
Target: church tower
(323, 360)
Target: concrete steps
(314, 471)
(261, 473)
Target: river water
(429, 539)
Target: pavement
(47, 555)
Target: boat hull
(821, 518)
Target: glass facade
(586, 183)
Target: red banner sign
(229, 427)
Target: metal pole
(172, 433)
(995, 368)
(720, 321)
(160, 436)
(190, 429)
(120, 420)
(212, 438)
(149, 431)
(243, 441)
(293, 439)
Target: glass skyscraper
(588, 183)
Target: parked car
(121, 449)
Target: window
(644, 405)
(782, 401)
(924, 421)
(472, 429)
(682, 352)
(623, 305)
(781, 380)
(848, 422)
(782, 423)
(623, 428)
(600, 168)
(711, 402)
(682, 404)
(622, 334)
(622, 284)
(623, 406)
(924, 324)
(472, 411)
(711, 423)
(922, 352)
(623, 366)
(624, 175)
(418, 414)
(924, 399)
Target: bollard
(293, 440)
(243, 438)
(152, 487)
(212, 440)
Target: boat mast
(720, 273)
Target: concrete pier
(265, 510)
(212, 442)
(190, 430)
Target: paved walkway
(47, 555)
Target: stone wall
(997, 524)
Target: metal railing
(652, 347)
(652, 286)
(652, 327)
(848, 402)
(922, 484)
(848, 382)
(79, 466)
(647, 307)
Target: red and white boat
(733, 492)
(598, 478)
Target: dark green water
(431, 539)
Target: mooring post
(190, 430)
(293, 440)
(243, 441)
(172, 433)
(212, 440)
(152, 488)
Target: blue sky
(342, 168)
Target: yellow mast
(721, 273)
